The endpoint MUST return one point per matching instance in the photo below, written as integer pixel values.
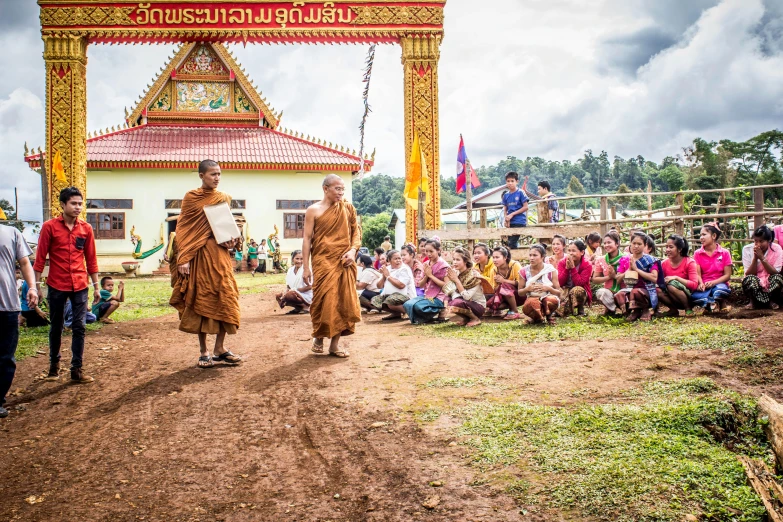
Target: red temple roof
(258, 148)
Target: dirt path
(287, 435)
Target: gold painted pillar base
(66, 113)
(420, 63)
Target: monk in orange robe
(332, 236)
(204, 292)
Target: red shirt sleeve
(43, 247)
(581, 276)
(693, 276)
(90, 256)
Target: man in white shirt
(13, 249)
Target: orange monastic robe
(335, 307)
(208, 299)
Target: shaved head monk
(202, 277)
(331, 237)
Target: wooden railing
(674, 218)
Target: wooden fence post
(604, 215)
(679, 224)
(483, 218)
(758, 206)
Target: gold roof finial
(26, 150)
(372, 157)
(308, 137)
(126, 113)
(112, 128)
(280, 116)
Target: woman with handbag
(612, 295)
(466, 297)
(430, 307)
(505, 278)
(640, 274)
(540, 288)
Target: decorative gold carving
(203, 97)
(66, 113)
(420, 65)
(202, 62)
(241, 103)
(251, 93)
(68, 16)
(397, 15)
(152, 93)
(163, 101)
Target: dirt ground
(289, 435)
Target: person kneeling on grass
(612, 295)
(641, 276)
(368, 282)
(714, 266)
(762, 260)
(681, 275)
(466, 296)
(573, 273)
(108, 303)
(539, 286)
(398, 287)
(429, 307)
(298, 294)
(505, 278)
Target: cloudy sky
(546, 78)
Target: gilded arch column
(66, 112)
(420, 63)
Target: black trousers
(513, 241)
(57, 301)
(9, 338)
(261, 268)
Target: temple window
(294, 226)
(294, 204)
(110, 203)
(107, 225)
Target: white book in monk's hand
(221, 220)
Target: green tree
(10, 214)
(378, 193)
(672, 177)
(575, 188)
(375, 228)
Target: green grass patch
(460, 382)
(144, 298)
(685, 333)
(660, 459)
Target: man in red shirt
(70, 245)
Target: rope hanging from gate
(366, 100)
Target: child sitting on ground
(108, 303)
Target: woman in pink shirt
(681, 276)
(714, 266)
(763, 261)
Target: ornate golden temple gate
(69, 26)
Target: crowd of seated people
(428, 284)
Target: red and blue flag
(462, 162)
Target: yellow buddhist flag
(2, 214)
(57, 168)
(416, 177)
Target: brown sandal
(342, 354)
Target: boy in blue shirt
(108, 303)
(515, 204)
